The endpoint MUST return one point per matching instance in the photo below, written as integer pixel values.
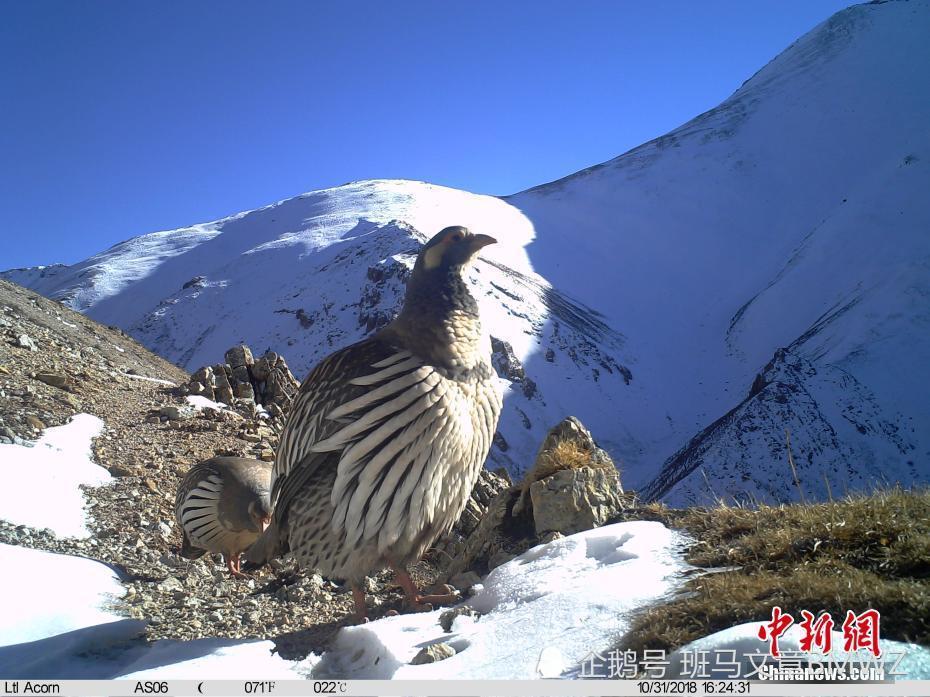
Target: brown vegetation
(857, 553)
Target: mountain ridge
(703, 252)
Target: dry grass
(860, 552)
(566, 454)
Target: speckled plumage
(220, 507)
(386, 437)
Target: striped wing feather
(394, 429)
(326, 387)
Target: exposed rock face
(570, 501)
(509, 366)
(266, 381)
(573, 486)
(827, 412)
(383, 293)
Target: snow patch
(44, 594)
(201, 402)
(40, 482)
(158, 381)
(543, 612)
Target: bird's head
(260, 513)
(453, 247)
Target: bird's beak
(265, 523)
(479, 241)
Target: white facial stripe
(433, 256)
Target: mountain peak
(645, 294)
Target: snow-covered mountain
(764, 267)
(314, 273)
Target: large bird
(223, 505)
(386, 437)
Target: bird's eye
(456, 236)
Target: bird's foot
(423, 603)
(443, 595)
(234, 569)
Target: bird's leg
(232, 565)
(361, 610)
(419, 603)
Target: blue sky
(121, 118)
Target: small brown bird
(223, 505)
(386, 437)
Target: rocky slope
(55, 363)
(761, 268)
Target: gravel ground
(68, 364)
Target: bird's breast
(412, 450)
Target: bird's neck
(440, 321)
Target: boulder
(264, 365)
(574, 500)
(53, 379)
(26, 342)
(239, 356)
(204, 376)
(243, 390)
(571, 430)
(223, 390)
(240, 375)
(176, 413)
(465, 581)
(573, 485)
(432, 654)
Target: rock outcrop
(570, 501)
(266, 382)
(573, 486)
